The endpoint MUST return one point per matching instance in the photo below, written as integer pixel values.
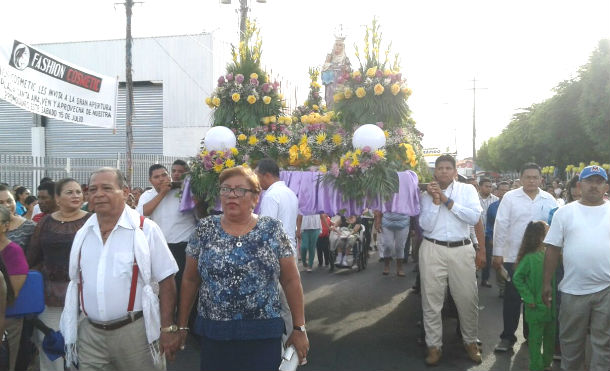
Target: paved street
(367, 321)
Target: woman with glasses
(236, 261)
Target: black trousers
(323, 250)
(179, 252)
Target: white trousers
(49, 317)
(393, 242)
(440, 266)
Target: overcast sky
(517, 50)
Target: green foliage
(572, 126)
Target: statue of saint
(336, 65)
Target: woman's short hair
(246, 172)
(19, 191)
(60, 184)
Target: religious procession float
(356, 148)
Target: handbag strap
(134, 279)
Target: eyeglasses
(239, 192)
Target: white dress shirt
(440, 223)
(107, 268)
(516, 210)
(280, 202)
(485, 202)
(176, 226)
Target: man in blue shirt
(503, 187)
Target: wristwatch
(299, 328)
(171, 328)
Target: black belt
(109, 326)
(449, 243)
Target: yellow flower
(235, 97)
(371, 71)
(270, 138)
(407, 92)
(283, 139)
(315, 84)
(204, 153)
(355, 161)
(265, 120)
(348, 93)
(234, 150)
(266, 99)
(324, 107)
(251, 99)
(386, 133)
(413, 163)
(208, 101)
(245, 164)
(395, 88)
(281, 96)
(303, 140)
(322, 169)
(281, 120)
(306, 152)
(356, 74)
(337, 139)
(360, 92)
(216, 101)
(272, 119)
(252, 140)
(378, 89)
(380, 153)
(386, 72)
(254, 75)
(358, 152)
(229, 163)
(341, 161)
(338, 97)
(315, 107)
(218, 167)
(320, 138)
(294, 154)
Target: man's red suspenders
(134, 280)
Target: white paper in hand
(290, 359)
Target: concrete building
(172, 77)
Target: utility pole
(474, 122)
(129, 98)
(243, 15)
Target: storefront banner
(46, 85)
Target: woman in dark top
(49, 251)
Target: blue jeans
(240, 355)
(511, 310)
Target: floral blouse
(240, 276)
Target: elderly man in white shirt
(447, 257)
(518, 207)
(118, 259)
(279, 202)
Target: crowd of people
(128, 273)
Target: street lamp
(243, 9)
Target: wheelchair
(359, 253)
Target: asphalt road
(367, 321)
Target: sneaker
(434, 355)
(473, 352)
(309, 270)
(338, 260)
(504, 345)
(485, 284)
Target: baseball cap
(593, 170)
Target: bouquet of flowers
(245, 94)
(272, 139)
(205, 169)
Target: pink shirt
(14, 260)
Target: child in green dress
(527, 279)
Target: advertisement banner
(46, 85)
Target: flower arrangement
(376, 91)
(245, 94)
(572, 170)
(205, 169)
(272, 139)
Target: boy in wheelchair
(344, 235)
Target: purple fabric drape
(314, 196)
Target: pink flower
(219, 161)
(375, 158)
(316, 94)
(340, 80)
(228, 153)
(379, 73)
(230, 77)
(266, 87)
(254, 82)
(366, 149)
(349, 169)
(347, 163)
(358, 78)
(334, 169)
(273, 127)
(276, 85)
(380, 124)
(239, 78)
(221, 81)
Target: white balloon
(369, 135)
(219, 138)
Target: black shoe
(504, 346)
(485, 284)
